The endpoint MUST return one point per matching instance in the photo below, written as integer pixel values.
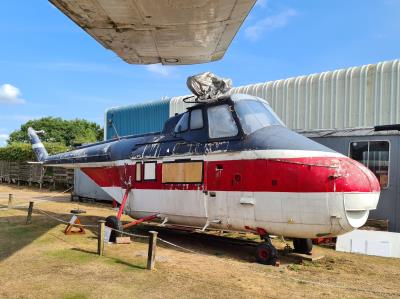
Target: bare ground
(39, 261)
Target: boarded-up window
(150, 171)
(138, 172)
(182, 172)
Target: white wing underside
(160, 31)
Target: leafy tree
(19, 151)
(66, 132)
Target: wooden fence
(23, 172)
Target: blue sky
(51, 67)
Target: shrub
(19, 151)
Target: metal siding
(177, 105)
(355, 97)
(137, 119)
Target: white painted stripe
(81, 165)
(269, 154)
(223, 156)
(37, 145)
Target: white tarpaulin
(370, 242)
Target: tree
(18, 151)
(57, 130)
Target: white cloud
(10, 94)
(262, 3)
(280, 20)
(159, 69)
(3, 139)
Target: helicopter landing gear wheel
(303, 246)
(266, 253)
(114, 223)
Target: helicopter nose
(360, 189)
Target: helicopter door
(230, 206)
(215, 201)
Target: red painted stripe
(311, 174)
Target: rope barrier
(63, 221)
(180, 247)
(129, 234)
(158, 239)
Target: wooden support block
(29, 216)
(151, 256)
(306, 257)
(123, 240)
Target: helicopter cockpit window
(196, 119)
(220, 122)
(254, 115)
(183, 123)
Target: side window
(196, 119)
(220, 122)
(183, 124)
(150, 171)
(374, 155)
(138, 172)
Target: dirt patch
(39, 261)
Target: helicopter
(227, 163)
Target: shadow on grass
(112, 260)
(222, 246)
(15, 234)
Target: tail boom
(37, 145)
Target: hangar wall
(360, 96)
(355, 97)
(136, 119)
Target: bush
(19, 151)
(68, 132)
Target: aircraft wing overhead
(160, 31)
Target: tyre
(113, 222)
(302, 246)
(266, 254)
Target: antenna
(110, 121)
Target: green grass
(127, 266)
(73, 255)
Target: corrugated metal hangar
(361, 96)
(329, 107)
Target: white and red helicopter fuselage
(230, 165)
(303, 194)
